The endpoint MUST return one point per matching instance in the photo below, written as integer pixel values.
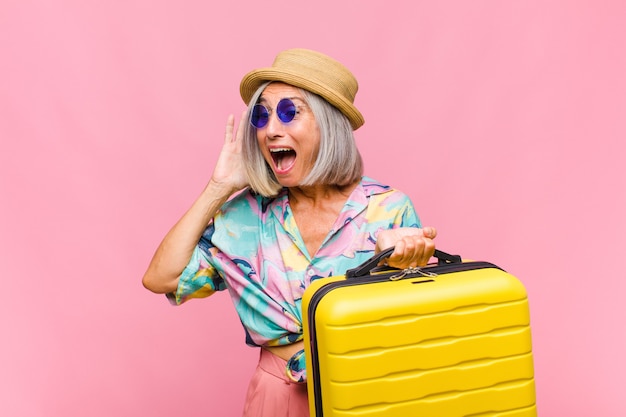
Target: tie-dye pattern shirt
(253, 248)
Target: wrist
(220, 189)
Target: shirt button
(311, 272)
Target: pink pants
(272, 394)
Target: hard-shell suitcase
(450, 339)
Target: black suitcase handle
(366, 267)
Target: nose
(274, 127)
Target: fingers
(410, 252)
(229, 170)
(412, 246)
(429, 232)
(230, 126)
(230, 136)
(242, 122)
(412, 249)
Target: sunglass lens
(286, 110)
(259, 116)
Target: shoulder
(247, 202)
(243, 199)
(236, 226)
(376, 190)
(386, 204)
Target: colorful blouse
(253, 248)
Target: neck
(319, 194)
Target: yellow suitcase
(451, 339)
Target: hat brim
(254, 79)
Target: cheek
(313, 143)
(265, 154)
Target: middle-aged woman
(287, 203)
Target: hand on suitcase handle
(366, 267)
(414, 246)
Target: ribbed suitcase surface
(454, 344)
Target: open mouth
(283, 158)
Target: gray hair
(338, 162)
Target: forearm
(177, 247)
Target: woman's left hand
(413, 246)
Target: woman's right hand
(229, 171)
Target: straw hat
(312, 71)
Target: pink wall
(504, 120)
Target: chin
(289, 181)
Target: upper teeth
(280, 150)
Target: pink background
(503, 120)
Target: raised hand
(229, 172)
